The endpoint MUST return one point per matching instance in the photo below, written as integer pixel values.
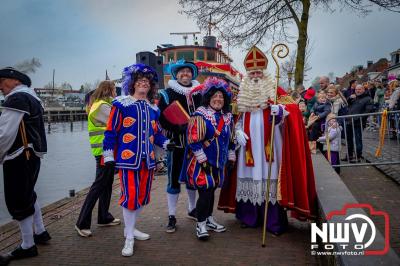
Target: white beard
(255, 93)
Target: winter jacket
(321, 109)
(361, 104)
(334, 138)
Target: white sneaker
(83, 232)
(127, 251)
(201, 231)
(213, 225)
(140, 235)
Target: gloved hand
(277, 111)
(206, 168)
(230, 166)
(171, 146)
(241, 137)
(274, 109)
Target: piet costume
(132, 130)
(189, 102)
(21, 159)
(292, 183)
(210, 145)
(210, 140)
(22, 145)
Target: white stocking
(38, 220)
(191, 199)
(26, 228)
(129, 221)
(172, 202)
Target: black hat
(12, 73)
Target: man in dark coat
(22, 145)
(359, 103)
(180, 89)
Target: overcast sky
(80, 39)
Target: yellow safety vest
(96, 129)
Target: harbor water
(68, 165)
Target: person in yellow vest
(99, 111)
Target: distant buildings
(382, 70)
(60, 98)
(394, 68)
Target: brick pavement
(368, 185)
(235, 247)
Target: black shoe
(192, 215)
(171, 227)
(20, 253)
(41, 238)
(5, 259)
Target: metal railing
(365, 140)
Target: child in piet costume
(210, 147)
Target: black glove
(206, 168)
(230, 166)
(171, 146)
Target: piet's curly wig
(211, 86)
(153, 85)
(133, 73)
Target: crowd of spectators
(323, 110)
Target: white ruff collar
(208, 114)
(174, 85)
(25, 89)
(128, 100)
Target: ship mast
(186, 34)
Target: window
(200, 55)
(210, 55)
(187, 55)
(171, 56)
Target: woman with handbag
(210, 147)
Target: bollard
(72, 193)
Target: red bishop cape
(296, 180)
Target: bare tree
(252, 22)
(288, 67)
(28, 66)
(65, 86)
(87, 86)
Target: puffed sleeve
(110, 135)
(195, 135)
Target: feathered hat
(129, 72)
(213, 83)
(175, 67)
